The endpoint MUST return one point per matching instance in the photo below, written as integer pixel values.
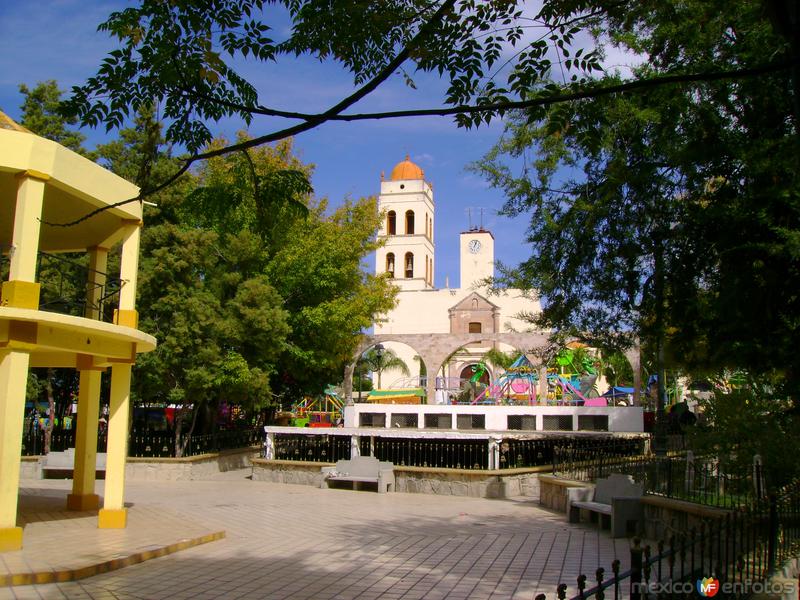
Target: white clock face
(474, 246)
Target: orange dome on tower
(407, 170)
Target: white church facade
(409, 257)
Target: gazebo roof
(74, 187)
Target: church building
(409, 257)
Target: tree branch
(332, 114)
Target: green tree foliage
(745, 421)
(40, 114)
(187, 58)
(312, 257)
(673, 212)
(220, 324)
(499, 359)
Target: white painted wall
(620, 419)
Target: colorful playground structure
(519, 384)
(324, 410)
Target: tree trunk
(51, 410)
(181, 442)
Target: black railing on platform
(65, 286)
(450, 453)
(701, 480)
(148, 444)
(516, 453)
(434, 453)
(312, 448)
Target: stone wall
(289, 471)
(188, 468)
(416, 480)
(166, 469)
(553, 491)
(665, 516)
(30, 467)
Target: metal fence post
(689, 483)
(772, 543)
(636, 570)
(758, 474)
(494, 453)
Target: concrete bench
(361, 469)
(63, 463)
(616, 499)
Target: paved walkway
(297, 542)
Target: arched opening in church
(409, 222)
(391, 223)
(390, 264)
(409, 265)
(468, 372)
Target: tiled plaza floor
(297, 542)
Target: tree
(384, 359)
(495, 57)
(40, 114)
(220, 323)
(313, 258)
(677, 216)
(501, 360)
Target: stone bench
(616, 499)
(63, 463)
(361, 469)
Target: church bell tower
(406, 201)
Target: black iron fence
(516, 453)
(702, 480)
(312, 448)
(425, 452)
(65, 283)
(445, 453)
(148, 444)
(733, 556)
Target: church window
(390, 264)
(409, 222)
(475, 327)
(409, 265)
(391, 223)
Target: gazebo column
(83, 496)
(20, 291)
(13, 380)
(114, 515)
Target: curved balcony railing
(65, 286)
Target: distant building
(409, 256)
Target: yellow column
(27, 215)
(98, 263)
(20, 291)
(13, 367)
(83, 496)
(113, 515)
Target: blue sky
(58, 40)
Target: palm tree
(501, 360)
(378, 359)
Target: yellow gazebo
(42, 182)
